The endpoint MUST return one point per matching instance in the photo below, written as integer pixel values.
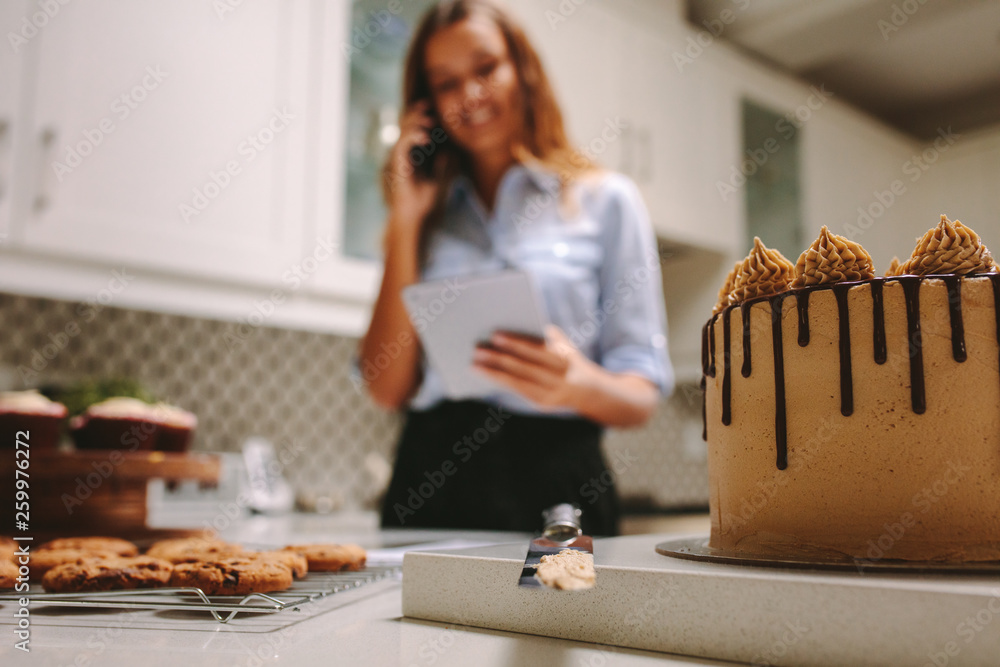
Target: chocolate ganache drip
(780, 421)
(802, 306)
(911, 290)
(995, 280)
(954, 286)
(711, 349)
(878, 320)
(745, 313)
(727, 380)
(846, 379)
(837, 264)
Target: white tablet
(453, 315)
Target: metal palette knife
(561, 531)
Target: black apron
(468, 464)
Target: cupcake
(32, 413)
(116, 423)
(176, 428)
(133, 425)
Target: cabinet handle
(646, 166)
(4, 134)
(628, 152)
(46, 140)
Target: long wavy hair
(543, 141)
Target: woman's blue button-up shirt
(593, 259)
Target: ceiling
(918, 65)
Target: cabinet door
(171, 135)
(15, 16)
(579, 46)
(648, 157)
(689, 148)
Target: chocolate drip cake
(849, 415)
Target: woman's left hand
(552, 373)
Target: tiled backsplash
(293, 388)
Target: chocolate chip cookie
(103, 544)
(43, 561)
(8, 574)
(108, 574)
(8, 548)
(233, 576)
(331, 557)
(193, 550)
(297, 563)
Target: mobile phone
(422, 156)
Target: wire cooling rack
(223, 608)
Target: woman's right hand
(410, 196)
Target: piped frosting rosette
(832, 259)
(765, 271)
(951, 247)
(726, 289)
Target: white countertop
(360, 627)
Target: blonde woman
(504, 189)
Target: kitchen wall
(294, 388)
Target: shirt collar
(543, 178)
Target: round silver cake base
(698, 549)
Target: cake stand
(100, 492)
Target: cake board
(762, 615)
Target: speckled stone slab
(761, 616)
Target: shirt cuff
(641, 360)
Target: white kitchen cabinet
(198, 145)
(629, 107)
(12, 14)
(207, 82)
(578, 44)
(166, 136)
